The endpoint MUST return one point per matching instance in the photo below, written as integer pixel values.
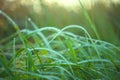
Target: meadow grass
(50, 53)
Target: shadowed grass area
(50, 53)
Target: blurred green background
(103, 14)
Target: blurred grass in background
(103, 14)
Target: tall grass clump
(50, 53)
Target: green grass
(50, 53)
(101, 20)
(69, 53)
(96, 20)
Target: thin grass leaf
(14, 25)
(71, 50)
(40, 33)
(89, 20)
(48, 77)
(5, 65)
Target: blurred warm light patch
(68, 4)
(71, 4)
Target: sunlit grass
(50, 53)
